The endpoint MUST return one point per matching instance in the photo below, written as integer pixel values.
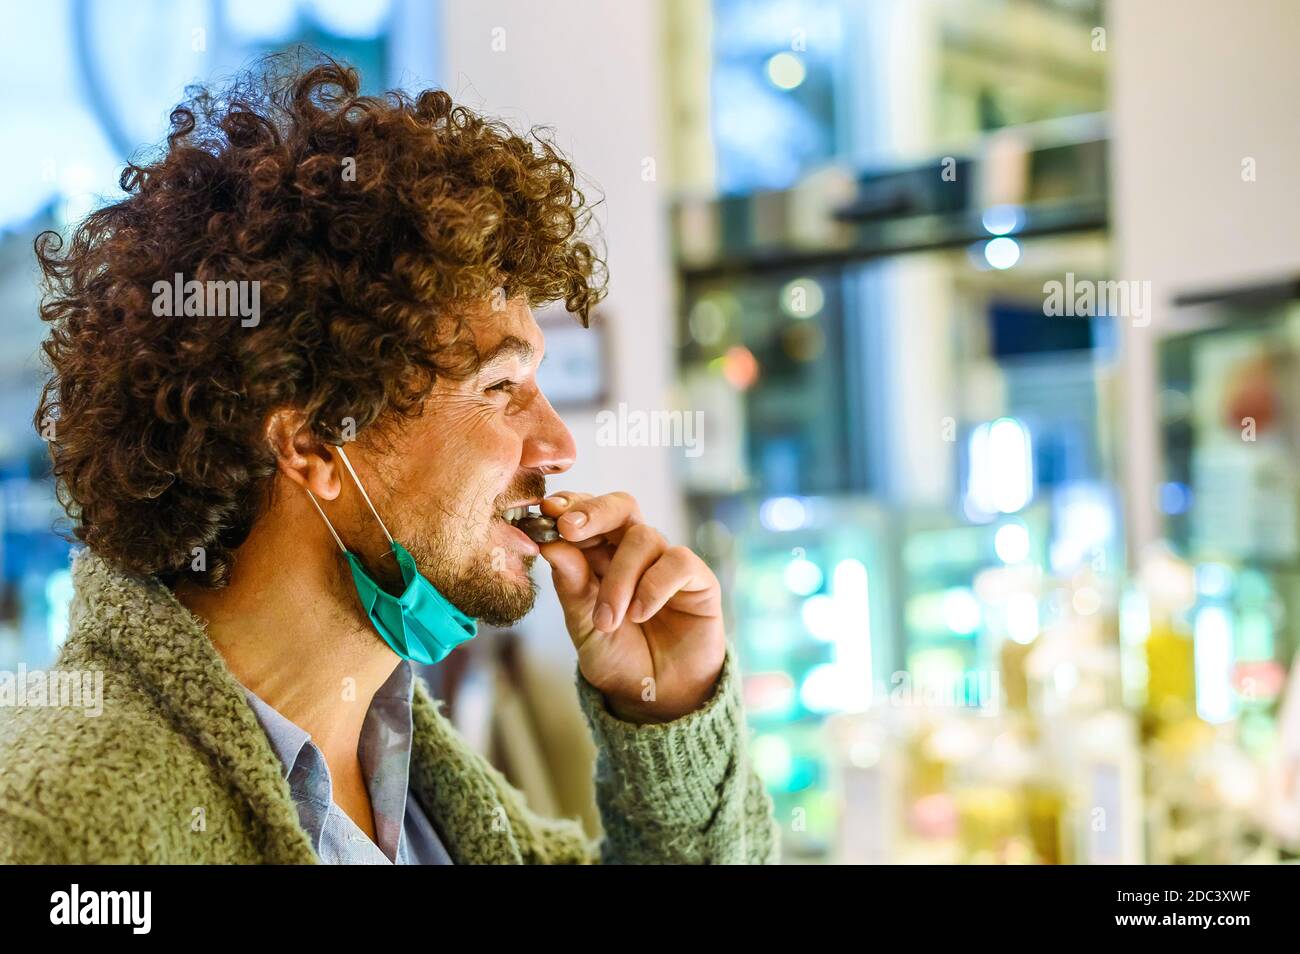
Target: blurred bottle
(1171, 671)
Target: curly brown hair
(158, 447)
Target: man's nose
(549, 447)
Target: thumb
(575, 585)
(570, 571)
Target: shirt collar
(288, 738)
(400, 685)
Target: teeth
(514, 514)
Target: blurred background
(1007, 585)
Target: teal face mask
(421, 624)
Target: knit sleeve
(26, 839)
(680, 792)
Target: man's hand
(646, 618)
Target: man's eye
(508, 386)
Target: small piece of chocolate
(540, 529)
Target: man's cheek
(460, 426)
(486, 450)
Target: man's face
(481, 446)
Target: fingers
(557, 504)
(562, 500)
(582, 517)
(678, 570)
(609, 566)
(640, 547)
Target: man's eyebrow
(508, 347)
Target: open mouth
(539, 528)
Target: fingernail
(575, 519)
(560, 499)
(604, 617)
(634, 611)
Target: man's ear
(301, 456)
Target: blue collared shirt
(403, 833)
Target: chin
(507, 612)
(495, 597)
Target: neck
(289, 628)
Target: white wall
(1196, 86)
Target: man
(295, 415)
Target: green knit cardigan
(177, 769)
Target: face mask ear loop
(333, 533)
(364, 495)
